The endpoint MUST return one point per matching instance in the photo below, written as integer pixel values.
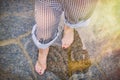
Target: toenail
(64, 48)
(39, 72)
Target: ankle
(44, 51)
(68, 29)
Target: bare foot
(40, 66)
(68, 37)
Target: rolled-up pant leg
(47, 17)
(78, 11)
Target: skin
(67, 40)
(43, 19)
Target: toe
(65, 46)
(38, 68)
(42, 70)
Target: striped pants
(51, 15)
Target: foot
(40, 66)
(68, 37)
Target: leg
(47, 20)
(76, 11)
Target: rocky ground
(18, 53)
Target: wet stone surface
(16, 18)
(18, 54)
(13, 62)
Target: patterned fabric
(48, 14)
(77, 10)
